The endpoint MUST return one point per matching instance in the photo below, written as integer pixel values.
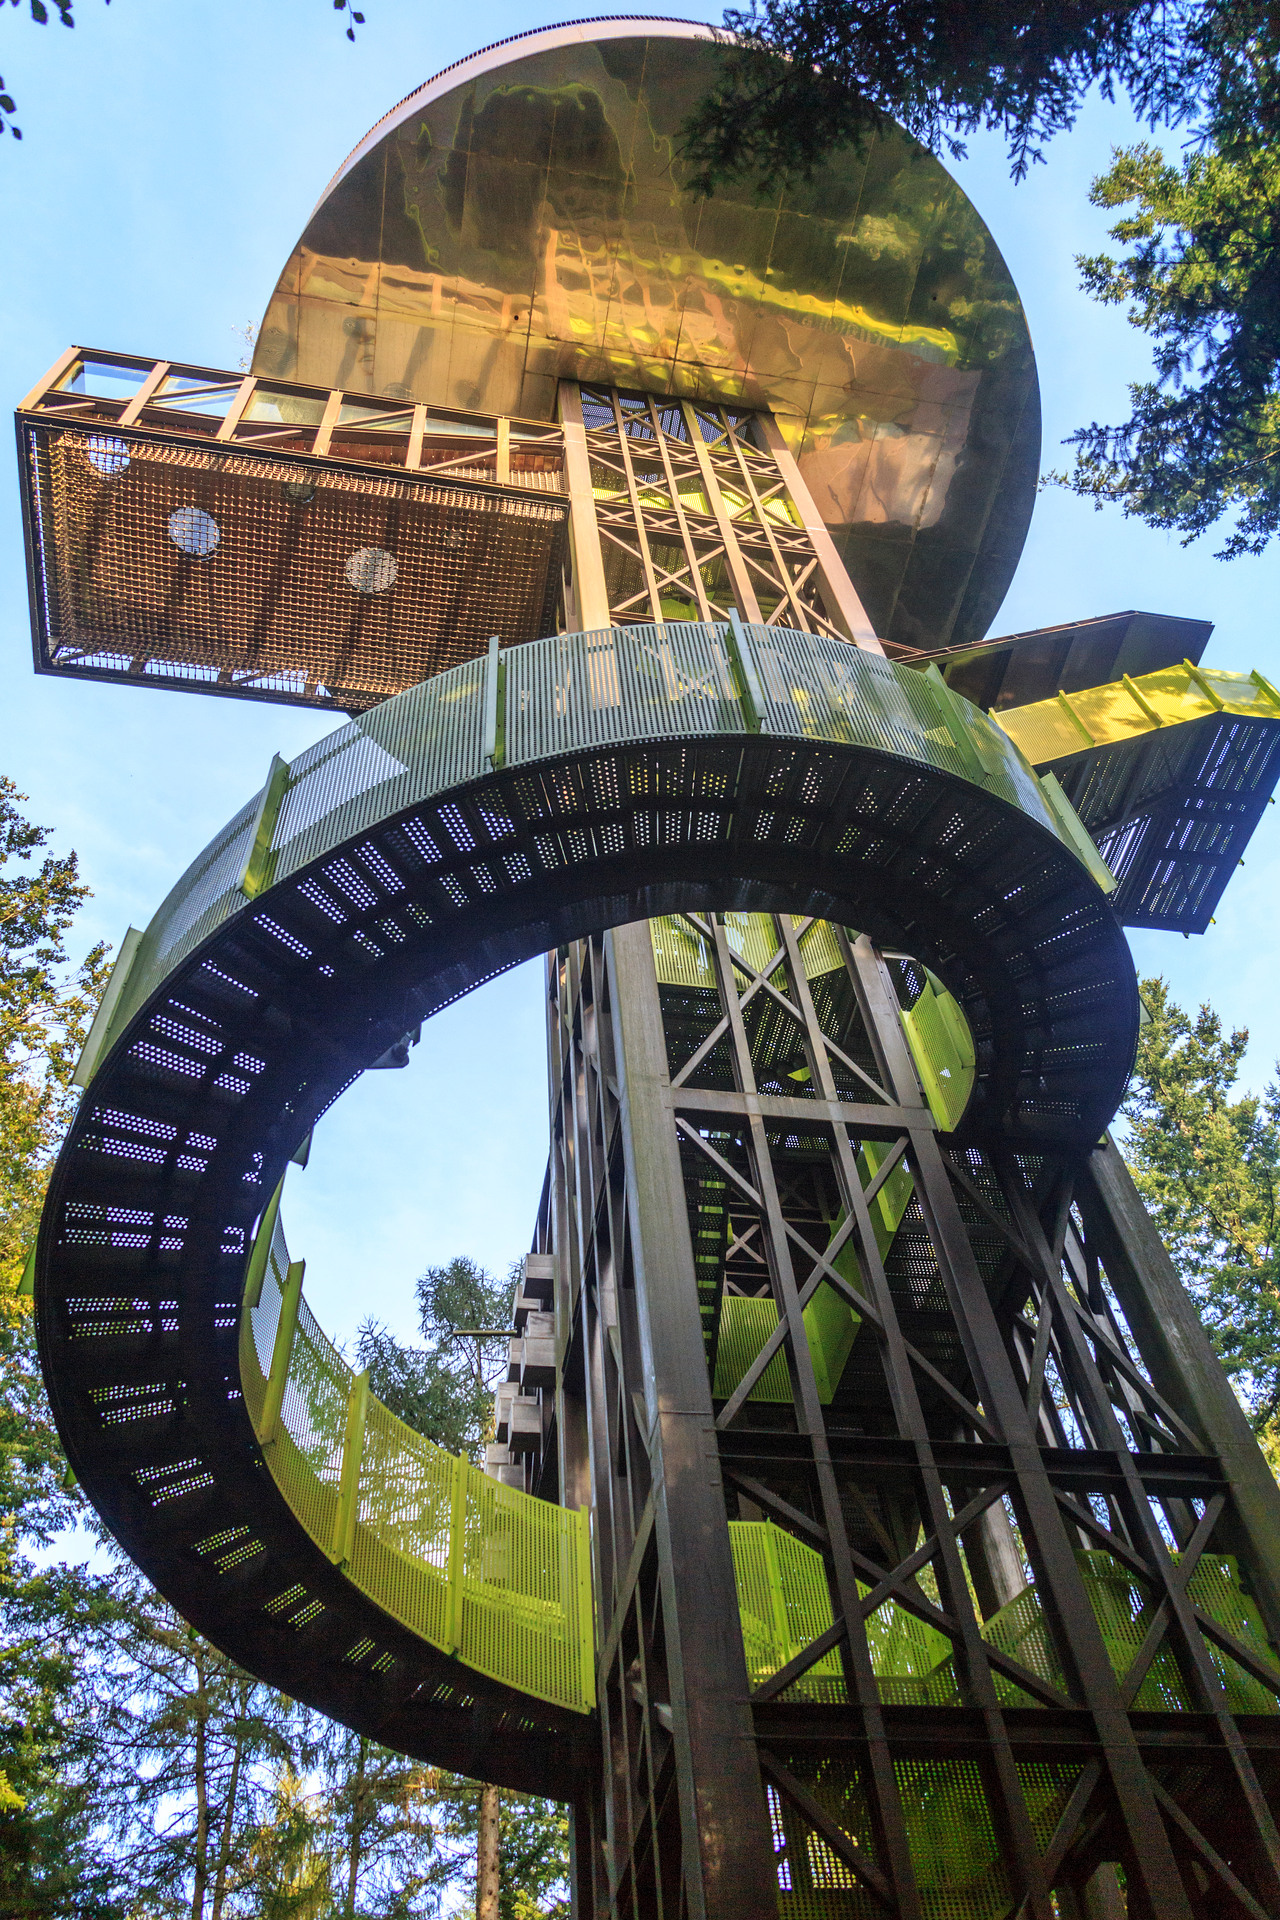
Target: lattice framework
(1004, 1466)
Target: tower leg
(921, 1517)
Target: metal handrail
(561, 695)
(485, 1572)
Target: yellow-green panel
(1123, 709)
(486, 1572)
(942, 1048)
(830, 1325)
(683, 958)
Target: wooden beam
(145, 393)
(591, 595)
(838, 591)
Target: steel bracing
(920, 1563)
(700, 511)
(1031, 1429)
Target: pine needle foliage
(800, 79)
(1205, 1156)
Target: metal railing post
(260, 1253)
(751, 699)
(457, 1530)
(495, 718)
(344, 1519)
(281, 1353)
(259, 868)
(580, 1523)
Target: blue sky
(171, 156)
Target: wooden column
(1181, 1359)
(590, 592)
(838, 592)
(729, 1866)
(743, 591)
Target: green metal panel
(785, 1603)
(485, 1572)
(98, 1037)
(745, 1325)
(1126, 708)
(561, 695)
(942, 1048)
(830, 1325)
(259, 868)
(344, 1521)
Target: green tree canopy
(442, 1388)
(1201, 274)
(1206, 1159)
(799, 78)
(48, 1857)
(142, 1773)
(1201, 277)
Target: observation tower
(869, 1529)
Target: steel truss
(1029, 1385)
(701, 511)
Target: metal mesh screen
(243, 573)
(483, 1571)
(525, 1598)
(618, 684)
(957, 1862)
(400, 1555)
(785, 1603)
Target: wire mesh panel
(305, 1453)
(525, 1609)
(958, 1864)
(180, 562)
(1215, 1587)
(483, 1571)
(619, 683)
(431, 737)
(400, 1554)
(942, 1048)
(783, 1603)
(818, 688)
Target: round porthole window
(194, 531)
(371, 570)
(108, 455)
(299, 493)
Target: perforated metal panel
(1170, 773)
(302, 581)
(486, 1572)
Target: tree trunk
(357, 1828)
(487, 1839)
(229, 1818)
(200, 1876)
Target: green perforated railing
(482, 1571)
(567, 694)
(785, 1604)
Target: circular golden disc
(521, 218)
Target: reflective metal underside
(522, 218)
